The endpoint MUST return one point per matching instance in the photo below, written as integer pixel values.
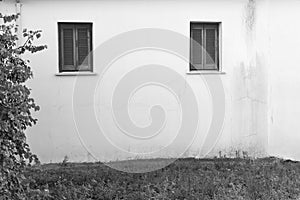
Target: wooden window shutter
(211, 47)
(196, 48)
(67, 47)
(83, 47)
(75, 45)
(204, 49)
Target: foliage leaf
(16, 106)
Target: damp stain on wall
(250, 15)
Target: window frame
(75, 26)
(202, 68)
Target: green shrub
(16, 105)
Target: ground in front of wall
(267, 178)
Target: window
(75, 45)
(204, 48)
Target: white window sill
(205, 72)
(76, 74)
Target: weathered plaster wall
(248, 85)
(244, 60)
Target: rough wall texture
(257, 115)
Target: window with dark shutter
(204, 50)
(75, 45)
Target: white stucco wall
(284, 59)
(260, 80)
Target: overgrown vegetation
(16, 106)
(185, 179)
